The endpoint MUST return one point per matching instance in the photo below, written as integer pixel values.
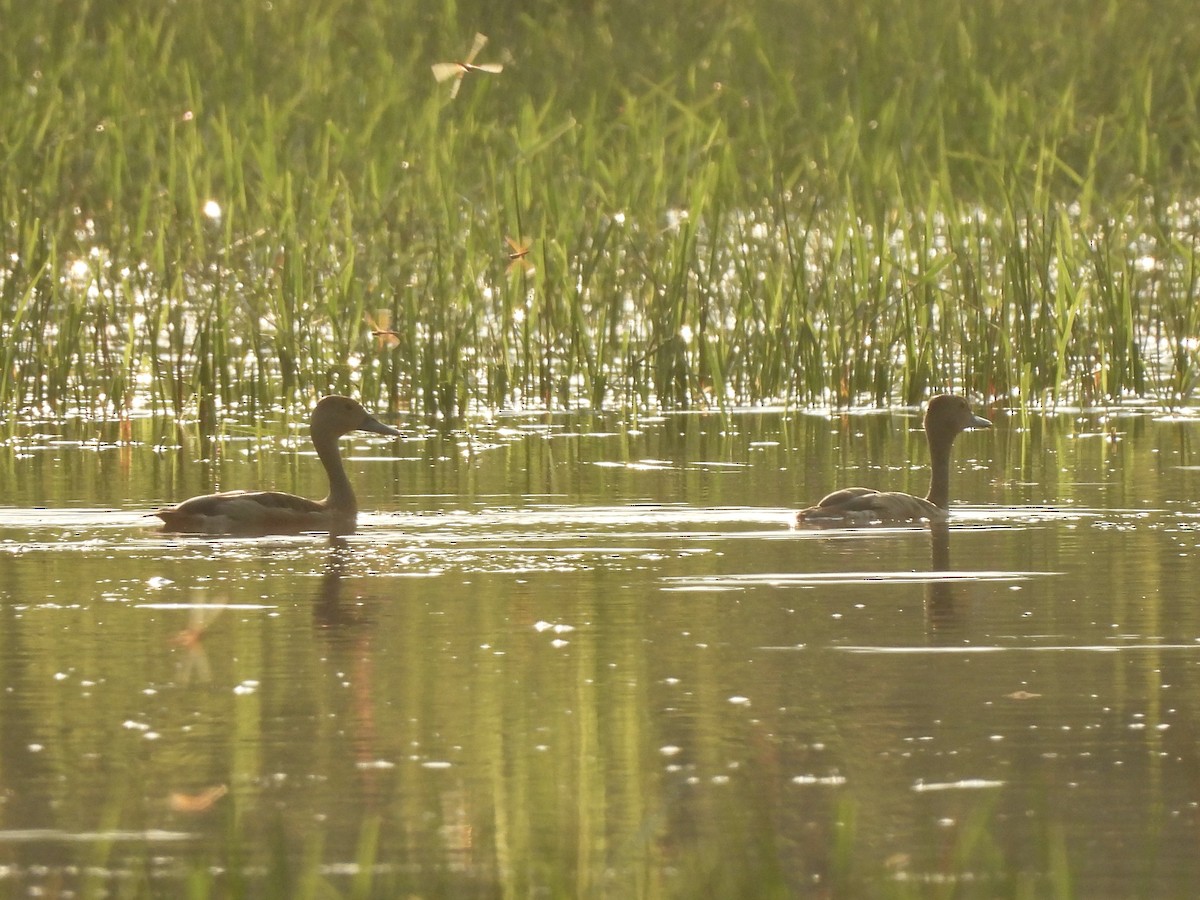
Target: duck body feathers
(867, 506)
(250, 511)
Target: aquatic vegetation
(779, 202)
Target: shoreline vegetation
(230, 206)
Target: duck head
(340, 415)
(947, 415)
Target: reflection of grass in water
(651, 833)
(968, 859)
(737, 854)
(773, 201)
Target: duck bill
(372, 424)
(979, 422)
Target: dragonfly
(458, 70)
(518, 255)
(381, 327)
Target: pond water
(588, 656)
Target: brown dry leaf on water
(196, 803)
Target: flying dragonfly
(457, 70)
(380, 325)
(518, 256)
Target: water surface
(589, 656)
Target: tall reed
(773, 203)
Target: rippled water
(587, 656)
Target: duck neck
(341, 495)
(939, 474)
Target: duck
(946, 416)
(275, 512)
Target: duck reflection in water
(346, 622)
(346, 625)
(329, 611)
(943, 600)
(945, 418)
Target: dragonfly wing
(444, 71)
(480, 43)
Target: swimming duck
(274, 512)
(945, 417)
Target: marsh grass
(779, 202)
